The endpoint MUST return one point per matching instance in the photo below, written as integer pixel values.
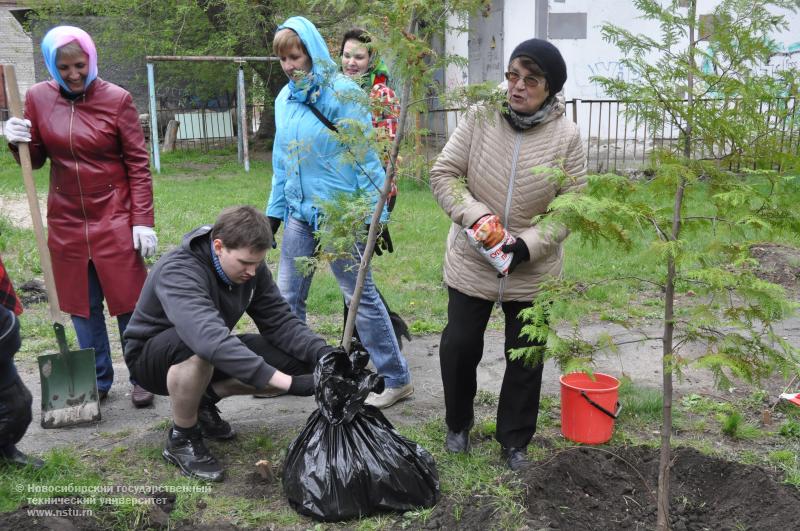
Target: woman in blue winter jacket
(310, 167)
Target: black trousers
(15, 414)
(460, 352)
(166, 349)
(15, 399)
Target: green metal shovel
(69, 383)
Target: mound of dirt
(778, 264)
(594, 488)
(475, 514)
(32, 292)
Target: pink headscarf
(58, 37)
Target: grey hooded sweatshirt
(184, 291)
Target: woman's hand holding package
(489, 230)
(520, 253)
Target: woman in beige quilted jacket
(496, 171)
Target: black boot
(457, 442)
(187, 451)
(211, 424)
(515, 458)
(12, 456)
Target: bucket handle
(601, 408)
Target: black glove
(327, 349)
(521, 254)
(384, 241)
(274, 224)
(302, 385)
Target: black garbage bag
(349, 461)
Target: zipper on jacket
(78, 177)
(509, 195)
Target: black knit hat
(548, 58)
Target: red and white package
(494, 255)
(794, 398)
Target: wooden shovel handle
(15, 106)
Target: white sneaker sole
(380, 402)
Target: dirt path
(640, 361)
(15, 208)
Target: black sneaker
(189, 453)
(457, 442)
(212, 425)
(12, 456)
(515, 458)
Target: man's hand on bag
(302, 385)
(145, 240)
(17, 130)
(327, 349)
(384, 241)
(521, 254)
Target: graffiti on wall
(612, 69)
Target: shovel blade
(69, 388)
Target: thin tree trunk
(665, 455)
(350, 322)
(662, 522)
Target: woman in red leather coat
(100, 203)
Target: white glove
(17, 130)
(145, 240)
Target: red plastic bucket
(589, 407)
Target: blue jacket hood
(322, 66)
(310, 164)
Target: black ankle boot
(211, 424)
(188, 452)
(515, 458)
(12, 456)
(457, 442)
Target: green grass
(604, 261)
(480, 471)
(735, 426)
(791, 429)
(640, 405)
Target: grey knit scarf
(523, 122)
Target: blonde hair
(71, 50)
(285, 40)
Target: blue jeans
(92, 332)
(372, 319)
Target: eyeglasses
(530, 81)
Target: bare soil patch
(591, 488)
(779, 264)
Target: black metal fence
(617, 138)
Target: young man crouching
(180, 341)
